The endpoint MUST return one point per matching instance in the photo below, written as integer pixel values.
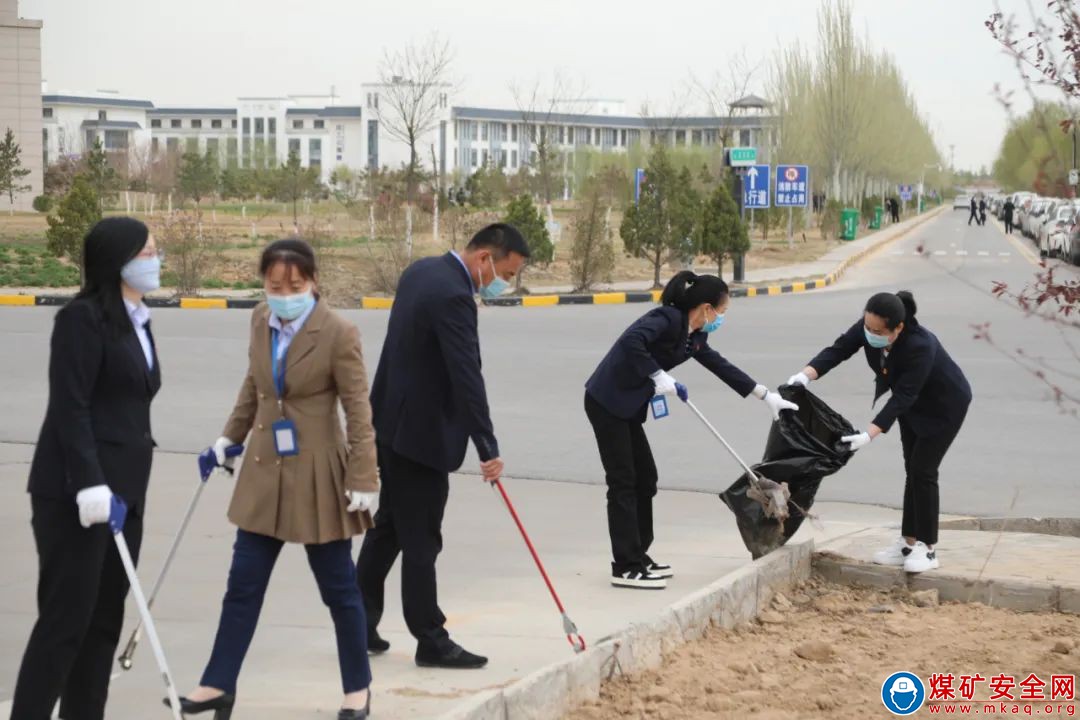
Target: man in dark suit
(428, 399)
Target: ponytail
(894, 308)
(686, 291)
(910, 308)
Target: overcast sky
(212, 51)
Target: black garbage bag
(803, 447)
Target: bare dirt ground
(823, 651)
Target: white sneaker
(895, 554)
(640, 579)
(921, 558)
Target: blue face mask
(714, 325)
(876, 341)
(290, 307)
(143, 274)
(497, 285)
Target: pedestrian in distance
(974, 212)
(95, 442)
(429, 399)
(1007, 214)
(894, 206)
(304, 478)
(617, 397)
(930, 399)
(982, 210)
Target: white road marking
(940, 252)
(1004, 254)
(898, 252)
(961, 252)
(984, 253)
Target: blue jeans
(253, 561)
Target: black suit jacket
(428, 397)
(97, 425)
(659, 340)
(929, 391)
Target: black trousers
(974, 216)
(1008, 225)
(80, 596)
(922, 459)
(631, 477)
(412, 501)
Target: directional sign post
(742, 156)
(639, 178)
(756, 187)
(792, 191)
(905, 193)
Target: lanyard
(277, 366)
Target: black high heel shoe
(357, 714)
(222, 706)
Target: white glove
(857, 442)
(799, 378)
(774, 401)
(219, 447)
(94, 505)
(360, 501)
(665, 384)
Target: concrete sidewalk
(494, 598)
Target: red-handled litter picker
(207, 464)
(117, 516)
(572, 635)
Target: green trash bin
(875, 222)
(849, 223)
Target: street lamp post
(922, 179)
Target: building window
(695, 137)
(230, 152)
(246, 159)
(102, 116)
(475, 129)
(744, 138)
(680, 137)
(259, 152)
(155, 123)
(192, 145)
(315, 152)
(320, 124)
(294, 147)
(711, 137)
(532, 157)
(44, 147)
(513, 159)
(622, 138)
(472, 157)
(174, 123)
(247, 126)
(569, 136)
(260, 126)
(502, 158)
(46, 112)
(172, 145)
(154, 147)
(215, 124)
(483, 132)
(484, 158)
(213, 147)
(271, 151)
(234, 123)
(442, 100)
(116, 140)
(297, 124)
(271, 126)
(373, 144)
(513, 132)
(196, 124)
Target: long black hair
(110, 245)
(686, 291)
(894, 308)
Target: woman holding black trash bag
(617, 398)
(95, 441)
(305, 479)
(930, 399)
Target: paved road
(536, 361)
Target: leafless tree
(664, 118)
(723, 89)
(415, 83)
(539, 104)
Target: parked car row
(1052, 223)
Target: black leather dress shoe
(356, 714)
(375, 644)
(452, 657)
(222, 706)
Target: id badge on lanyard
(659, 407)
(284, 429)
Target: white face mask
(142, 274)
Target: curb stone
(733, 599)
(604, 298)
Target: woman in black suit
(95, 441)
(930, 399)
(617, 397)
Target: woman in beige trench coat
(304, 479)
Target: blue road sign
(905, 192)
(755, 185)
(792, 185)
(639, 177)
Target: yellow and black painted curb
(606, 298)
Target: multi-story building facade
(20, 93)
